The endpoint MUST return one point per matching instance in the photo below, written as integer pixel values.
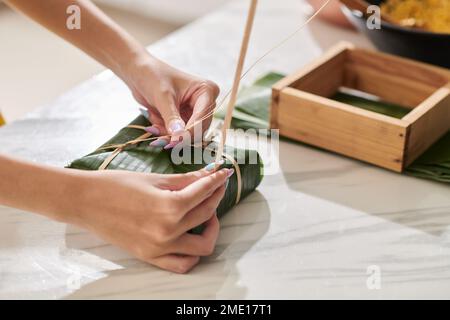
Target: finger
(175, 182)
(160, 142)
(203, 108)
(175, 263)
(202, 213)
(152, 114)
(200, 190)
(156, 120)
(139, 98)
(174, 124)
(157, 128)
(199, 245)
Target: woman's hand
(149, 215)
(176, 101)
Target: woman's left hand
(177, 102)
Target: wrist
(72, 204)
(59, 195)
(42, 189)
(138, 66)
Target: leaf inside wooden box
(252, 111)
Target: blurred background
(36, 66)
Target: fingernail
(144, 112)
(210, 167)
(226, 184)
(230, 173)
(153, 130)
(160, 143)
(177, 127)
(171, 145)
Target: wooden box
(302, 110)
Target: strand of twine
(258, 60)
(237, 78)
(215, 107)
(118, 148)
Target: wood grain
(334, 126)
(427, 123)
(333, 59)
(302, 111)
(388, 86)
(401, 67)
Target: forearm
(99, 36)
(42, 189)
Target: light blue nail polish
(159, 143)
(144, 112)
(210, 167)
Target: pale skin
(149, 215)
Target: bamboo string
(253, 65)
(146, 137)
(237, 78)
(118, 148)
(262, 57)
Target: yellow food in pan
(431, 15)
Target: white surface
(311, 231)
(173, 11)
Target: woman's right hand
(149, 215)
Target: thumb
(202, 114)
(175, 182)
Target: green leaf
(252, 112)
(252, 107)
(143, 158)
(388, 109)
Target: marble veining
(313, 230)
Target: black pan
(412, 43)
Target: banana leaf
(146, 159)
(253, 104)
(388, 109)
(253, 107)
(434, 164)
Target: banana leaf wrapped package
(143, 158)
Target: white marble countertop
(311, 231)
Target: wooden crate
(301, 108)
